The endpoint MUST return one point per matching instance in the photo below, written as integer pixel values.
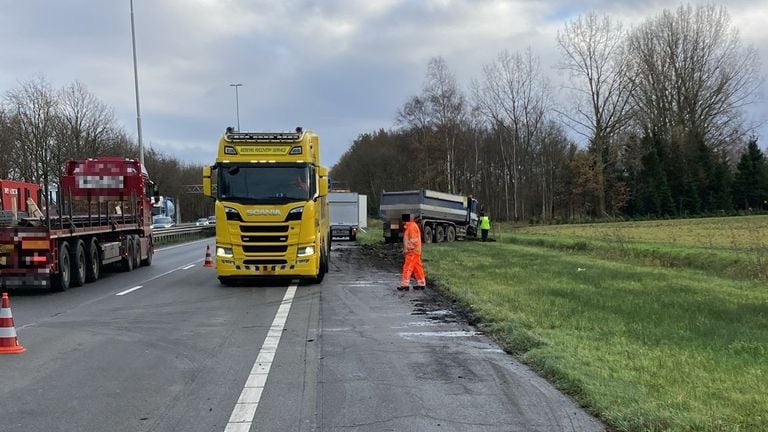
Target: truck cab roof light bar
(263, 136)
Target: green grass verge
(736, 263)
(644, 348)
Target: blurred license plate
(340, 232)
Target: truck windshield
(273, 183)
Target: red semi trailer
(100, 215)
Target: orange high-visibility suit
(412, 250)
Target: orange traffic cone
(208, 261)
(9, 342)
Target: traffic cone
(9, 342)
(208, 261)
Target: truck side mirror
(322, 172)
(207, 181)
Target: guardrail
(184, 232)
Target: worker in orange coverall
(412, 252)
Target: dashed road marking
(130, 290)
(188, 267)
(245, 408)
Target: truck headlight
(224, 252)
(306, 251)
(232, 214)
(295, 214)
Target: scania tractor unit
(272, 216)
(99, 215)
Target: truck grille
(249, 249)
(264, 238)
(264, 228)
(264, 261)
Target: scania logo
(263, 212)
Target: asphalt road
(183, 353)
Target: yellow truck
(272, 217)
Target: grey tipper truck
(444, 217)
(345, 214)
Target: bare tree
(35, 105)
(86, 125)
(693, 75)
(594, 53)
(448, 110)
(513, 96)
(7, 146)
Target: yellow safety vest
(485, 223)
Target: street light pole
(136, 87)
(237, 104)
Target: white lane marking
(183, 244)
(245, 408)
(183, 267)
(188, 267)
(130, 290)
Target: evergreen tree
(750, 188)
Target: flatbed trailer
(100, 215)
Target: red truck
(100, 215)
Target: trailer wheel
(428, 234)
(450, 233)
(128, 259)
(61, 280)
(78, 263)
(92, 261)
(136, 251)
(150, 251)
(439, 234)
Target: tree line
(660, 108)
(42, 127)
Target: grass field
(644, 344)
(735, 247)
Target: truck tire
(439, 234)
(62, 278)
(128, 259)
(136, 251)
(450, 234)
(78, 263)
(428, 234)
(92, 261)
(150, 251)
(322, 268)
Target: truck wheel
(439, 234)
(136, 251)
(427, 234)
(321, 268)
(78, 263)
(150, 251)
(92, 262)
(62, 279)
(450, 234)
(128, 259)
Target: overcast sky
(338, 67)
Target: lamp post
(136, 87)
(237, 104)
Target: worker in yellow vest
(485, 226)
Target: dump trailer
(444, 217)
(345, 214)
(100, 215)
(272, 217)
